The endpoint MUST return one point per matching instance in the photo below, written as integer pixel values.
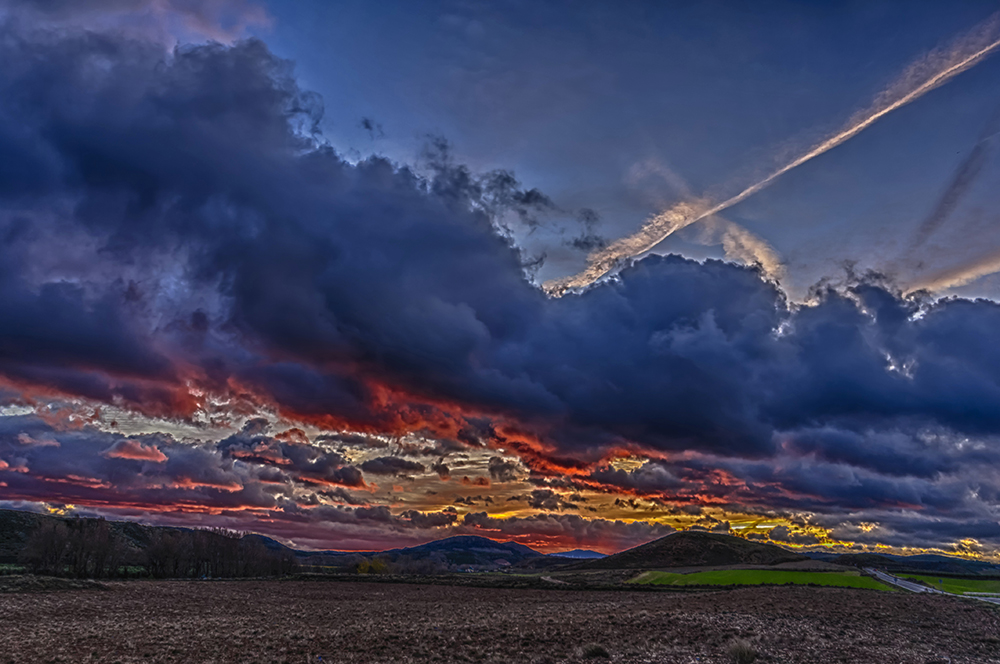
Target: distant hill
(450, 554)
(274, 545)
(825, 556)
(466, 550)
(585, 554)
(692, 548)
(928, 563)
(16, 527)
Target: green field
(958, 586)
(756, 577)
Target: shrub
(741, 652)
(373, 566)
(594, 651)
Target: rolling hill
(16, 527)
(467, 550)
(930, 563)
(580, 554)
(692, 548)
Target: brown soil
(300, 621)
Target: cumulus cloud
(783, 535)
(131, 449)
(215, 250)
(164, 21)
(503, 470)
(546, 499)
(392, 466)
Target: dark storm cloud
(503, 470)
(163, 20)
(550, 501)
(298, 460)
(341, 495)
(153, 471)
(431, 520)
(443, 471)
(176, 226)
(783, 535)
(392, 466)
(651, 477)
(588, 240)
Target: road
(917, 588)
(551, 580)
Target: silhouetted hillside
(926, 563)
(694, 549)
(581, 554)
(89, 547)
(17, 526)
(465, 550)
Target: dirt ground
(315, 621)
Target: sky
(576, 274)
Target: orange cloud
(188, 483)
(27, 440)
(132, 449)
(78, 480)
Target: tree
(46, 549)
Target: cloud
(964, 177)
(164, 21)
(431, 519)
(341, 495)
(924, 75)
(130, 449)
(25, 439)
(550, 530)
(548, 500)
(300, 461)
(441, 469)
(503, 470)
(217, 259)
(650, 477)
(392, 466)
(783, 535)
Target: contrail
(928, 73)
(964, 177)
(958, 275)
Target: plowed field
(357, 623)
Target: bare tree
(46, 549)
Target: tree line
(91, 548)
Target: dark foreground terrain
(301, 621)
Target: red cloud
(294, 435)
(132, 449)
(188, 483)
(25, 439)
(4, 465)
(78, 480)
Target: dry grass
(594, 651)
(741, 652)
(28, 583)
